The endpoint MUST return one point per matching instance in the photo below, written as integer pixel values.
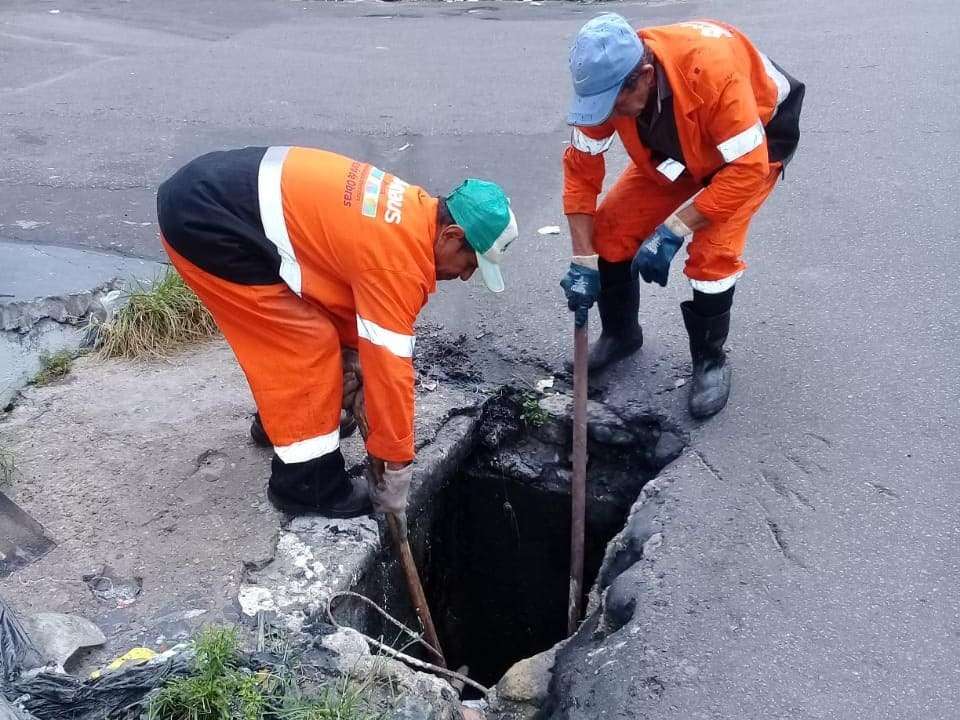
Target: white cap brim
(490, 272)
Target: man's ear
(453, 234)
(647, 73)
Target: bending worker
(702, 114)
(299, 253)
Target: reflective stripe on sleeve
(271, 214)
(309, 449)
(584, 143)
(714, 287)
(671, 169)
(399, 345)
(742, 143)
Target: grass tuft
(345, 701)
(156, 319)
(53, 367)
(222, 688)
(6, 467)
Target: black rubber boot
(317, 486)
(258, 434)
(619, 303)
(710, 385)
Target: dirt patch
(141, 472)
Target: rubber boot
(710, 385)
(619, 303)
(317, 486)
(258, 434)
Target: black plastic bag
(9, 712)
(17, 651)
(50, 696)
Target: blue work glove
(652, 261)
(581, 285)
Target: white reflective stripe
(271, 214)
(783, 85)
(399, 345)
(309, 449)
(713, 287)
(584, 143)
(739, 145)
(671, 169)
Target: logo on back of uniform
(395, 193)
(707, 29)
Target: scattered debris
(680, 382)
(544, 384)
(107, 587)
(133, 656)
(549, 230)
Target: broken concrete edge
(31, 329)
(631, 561)
(295, 585)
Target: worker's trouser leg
(636, 204)
(289, 351)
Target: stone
(58, 636)
(528, 680)
(350, 648)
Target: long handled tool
(398, 531)
(579, 489)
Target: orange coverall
(347, 255)
(724, 94)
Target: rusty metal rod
(578, 491)
(398, 530)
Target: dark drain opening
(498, 572)
(493, 543)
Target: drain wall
(492, 543)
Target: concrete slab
(47, 295)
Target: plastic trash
(8, 711)
(50, 696)
(133, 656)
(17, 651)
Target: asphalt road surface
(846, 326)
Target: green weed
(221, 688)
(531, 412)
(53, 367)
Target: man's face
(454, 257)
(635, 93)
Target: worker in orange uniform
(702, 114)
(299, 253)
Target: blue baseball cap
(603, 54)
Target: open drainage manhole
(493, 543)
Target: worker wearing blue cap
(704, 116)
